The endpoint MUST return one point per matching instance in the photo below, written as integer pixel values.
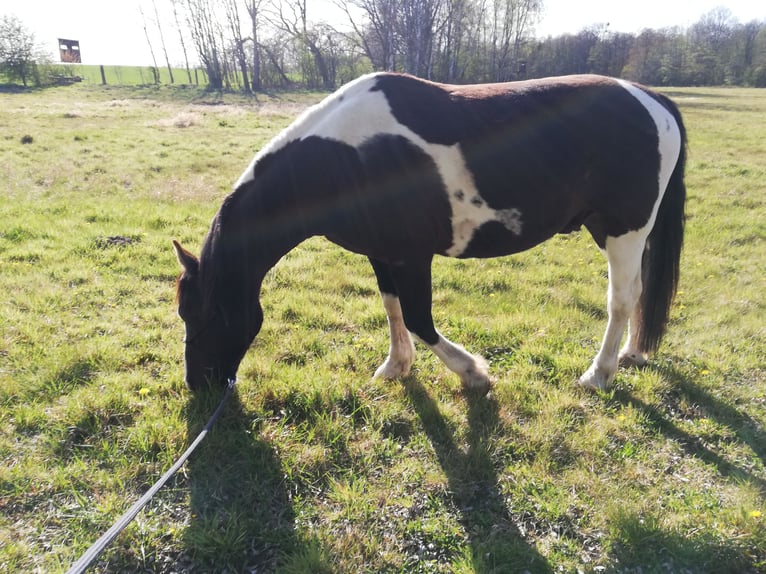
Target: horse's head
(215, 342)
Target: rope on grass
(99, 545)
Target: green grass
(131, 75)
(314, 467)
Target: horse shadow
(241, 514)
(643, 537)
(496, 543)
(684, 389)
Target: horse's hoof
(594, 380)
(392, 369)
(476, 384)
(632, 359)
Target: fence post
(103, 76)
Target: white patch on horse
(355, 114)
(669, 143)
(305, 122)
(624, 254)
(511, 219)
(472, 369)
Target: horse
(402, 169)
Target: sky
(112, 32)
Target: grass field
(314, 467)
(130, 75)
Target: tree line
(251, 45)
(256, 44)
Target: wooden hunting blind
(70, 51)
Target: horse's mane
(223, 260)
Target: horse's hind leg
(413, 284)
(624, 254)
(631, 354)
(401, 352)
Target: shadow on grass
(496, 545)
(741, 425)
(242, 518)
(642, 545)
(8, 88)
(641, 540)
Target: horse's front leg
(401, 352)
(413, 284)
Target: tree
(253, 8)
(238, 42)
(277, 43)
(453, 42)
(756, 71)
(505, 26)
(206, 33)
(711, 45)
(18, 51)
(745, 42)
(376, 36)
(174, 3)
(162, 41)
(155, 70)
(291, 16)
(419, 22)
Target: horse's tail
(662, 255)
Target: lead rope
(98, 546)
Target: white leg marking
(472, 369)
(401, 353)
(624, 255)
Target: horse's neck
(271, 227)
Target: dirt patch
(115, 241)
(185, 119)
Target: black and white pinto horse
(401, 169)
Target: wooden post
(103, 76)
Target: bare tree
(418, 33)
(419, 21)
(453, 37)
(399, 32)
(238, 42)
(253, 8)
(206, 34)
(174, 4)
(162, 41)
(155, 70)
(275, 67)
(377, 35)
(291, 16)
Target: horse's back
(405, 165)
(555, 153)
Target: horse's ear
(187, 260)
